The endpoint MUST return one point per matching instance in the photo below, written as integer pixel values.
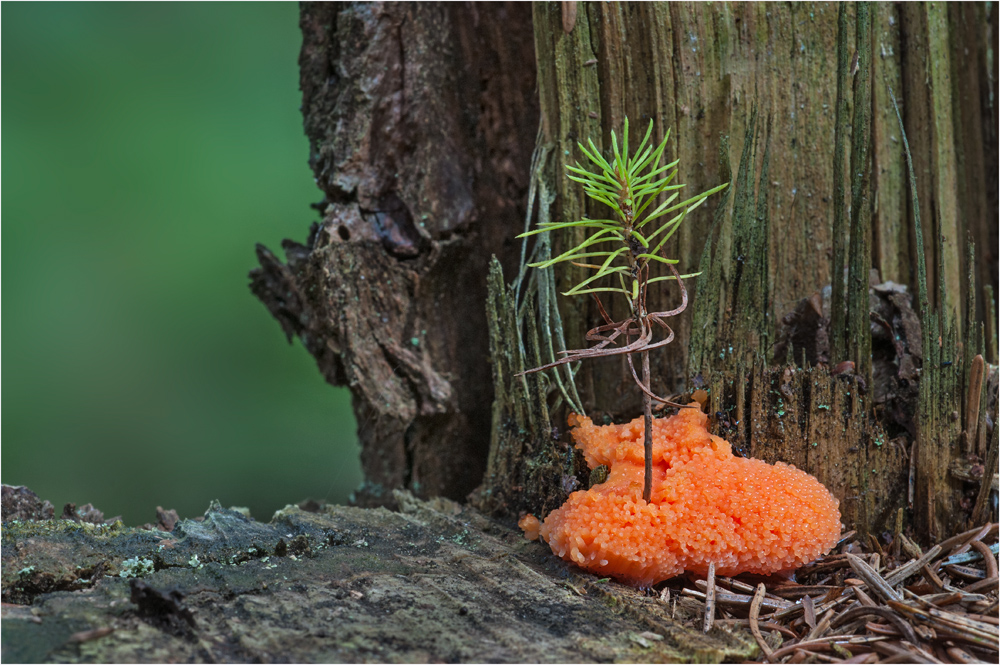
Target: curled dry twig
(639, 325)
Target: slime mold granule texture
(707, 506)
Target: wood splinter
(710, 599)
(972, 404)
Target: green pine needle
(628, 185)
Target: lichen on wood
(841, 230)
(528, 469)
(859, 340)
(943, 381)
(891, 242)
(733, 323)
(433, 582)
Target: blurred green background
(146, 148)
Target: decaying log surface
(698, 69)
(434, 582)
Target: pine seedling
(621, 249)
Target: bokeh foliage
(146, 149)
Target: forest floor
(888, 602)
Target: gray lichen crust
(433, 582)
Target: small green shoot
(621, 248)
(622, 185)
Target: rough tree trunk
(422, 120)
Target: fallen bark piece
(20, 503)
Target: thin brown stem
(647, 415)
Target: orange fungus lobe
(530, 525)
(707, 506)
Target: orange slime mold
(707, 506)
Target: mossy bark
(529, 469)
(697, 69)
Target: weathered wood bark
(422, 119)
(529, 468)
(431, 583)
(697, 69)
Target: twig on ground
(758, 597)
(710, 599)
